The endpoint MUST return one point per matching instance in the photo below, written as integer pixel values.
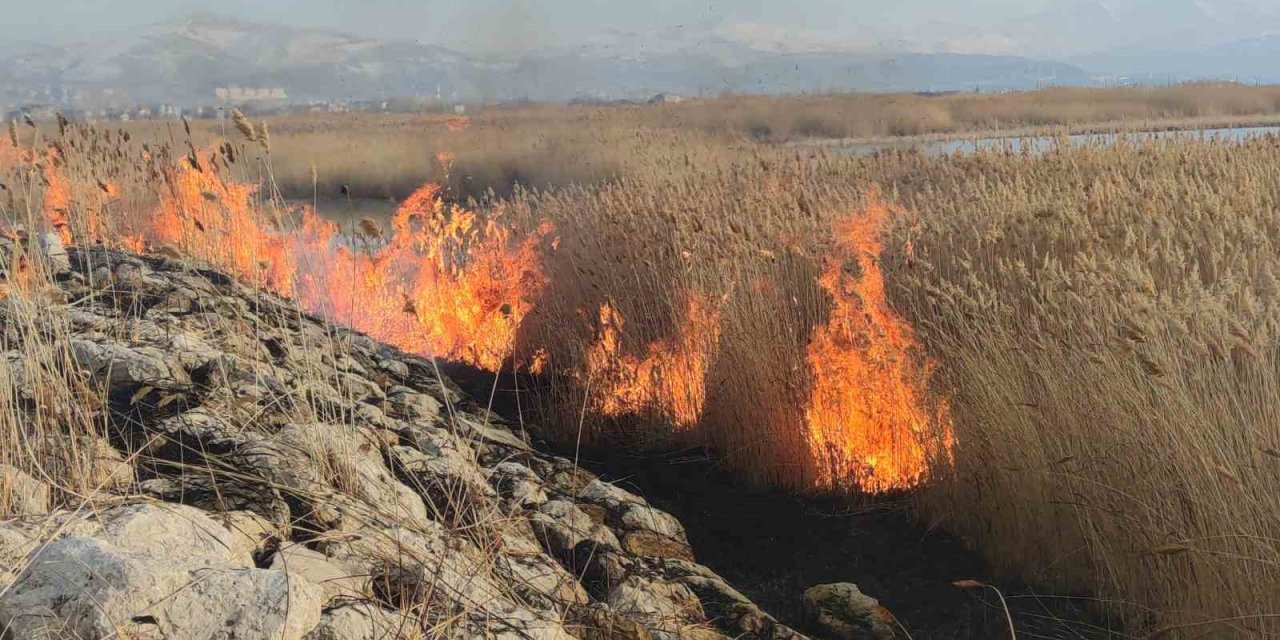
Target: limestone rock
(308, 482)
(90, 589)
(363, 622)
(334, 579)
(845, 613)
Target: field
(1070, 359)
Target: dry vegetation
(388, 156)
(1098, 323)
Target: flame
(57, 201)
(213, 220)
(456, 124)
(670, 379)
(868, 419)
(446, 283)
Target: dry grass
(873, 116)
(1104, 322)
(1103, 318)
(388, 156)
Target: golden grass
(1103, 317)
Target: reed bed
(1098, 324)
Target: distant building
(666, 98)
(240, 95)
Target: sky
(956, 26)
(452, 22)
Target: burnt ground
(773, 545)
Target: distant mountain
(188, 61)
(1071, 29)
(1247, 60)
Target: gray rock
(122, 368)
(335, 579)
(54, 252)
(845, 613)
(563, 526)
(518, 483)
(363, 622)
(645, 517)
(90, 589)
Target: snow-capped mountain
(187, 61)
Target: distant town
(46, 104)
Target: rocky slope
(262, 474)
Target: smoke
(510, 30)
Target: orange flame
(671, 377)
(868, 418)
(57, 201)
(445, 284)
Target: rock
(252, 534)
(192, 352)
(659, 604)
(410, 405)
(21, 494)
(518, 483)
(54, 252)
(443, 470)
(539, 576)
(90, 589)
(561, 525)
(16, 544)
(348, 461)
(598, 622)
(182, 535)
(637, 516)
(655, 545)
(334, 579)
(363, 622)
(483, 430)
(122, 369)
(607, 494)
(845, 613)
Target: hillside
(186, 62)
(300, 480)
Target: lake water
(1040, 144)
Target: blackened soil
(773, 545)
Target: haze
(975, 26)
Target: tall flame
(445, 283)
(669, 379)
(75, 215)
(868, 417)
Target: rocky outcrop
(263, 474)
(845, 613)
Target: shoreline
(1096, 128)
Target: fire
(868, 417)
(210, 219)
(57, 201)
(669, 379)
(446, 283)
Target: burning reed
(1074, 353)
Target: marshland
(1059, 368)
